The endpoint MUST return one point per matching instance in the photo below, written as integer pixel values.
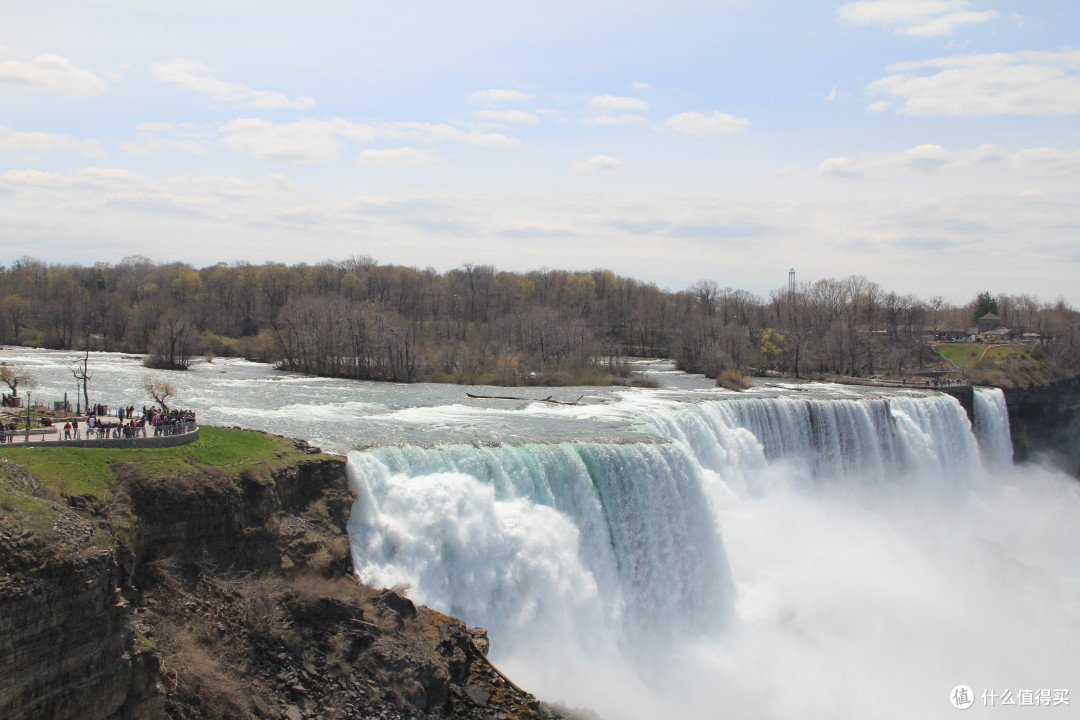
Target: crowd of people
(96, 424)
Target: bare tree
(14, 376)
(160, 390)
(81, 373)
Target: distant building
(999, 334)
(989, 322)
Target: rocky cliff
(218, 594)
(1045, 423)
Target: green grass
(1003, 365)
(74, 471)
(960, 354)
(45, 490)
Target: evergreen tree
(984, 303)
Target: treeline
(359, 319)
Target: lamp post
(28, 416)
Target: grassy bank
(42, 487)
(1000, 365)
(75, 471)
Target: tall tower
(791, 281)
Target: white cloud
(920, 18)
(927, 156)
(842, 166)
(597, 163)
(641, 86)
(439, 132)
(101, 200)
(1020, 83)
(304, 142)
(158, 136)
(601, 104)
(700, 124)
(525, 229)
(878, 106)
(1044, 161)
(404, 158)
(99, 180)
(310, 141)
(193, 75)
(52, 73)
(833, 94)
(214, 185)
(511, 117)
(496, 97)
(626, 119)
(42, 143)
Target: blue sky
(930, 145)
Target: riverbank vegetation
(90, 473)
(475, 324)
(1010, 365)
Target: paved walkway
(39, 436)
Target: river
(795, 551)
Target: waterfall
(992, 427)
(925, 438)
(748, 562)
(592, 543)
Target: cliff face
(1045, 423)
(66, 647)
(210, 595)
(66, 650)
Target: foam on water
(779, 557)
(796, 551)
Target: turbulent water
(791, 552)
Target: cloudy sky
(930, 145)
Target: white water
(991, 426)
(775, 558)
(814, 552)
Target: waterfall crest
(753, 530)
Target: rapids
(795, 551)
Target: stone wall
(150, 441)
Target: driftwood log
(548, 399)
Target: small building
(999, 334)
(989, 322)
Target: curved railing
(53, 437)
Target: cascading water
(765, 557)
(811, 552)
(991, 427)
(589, 542)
